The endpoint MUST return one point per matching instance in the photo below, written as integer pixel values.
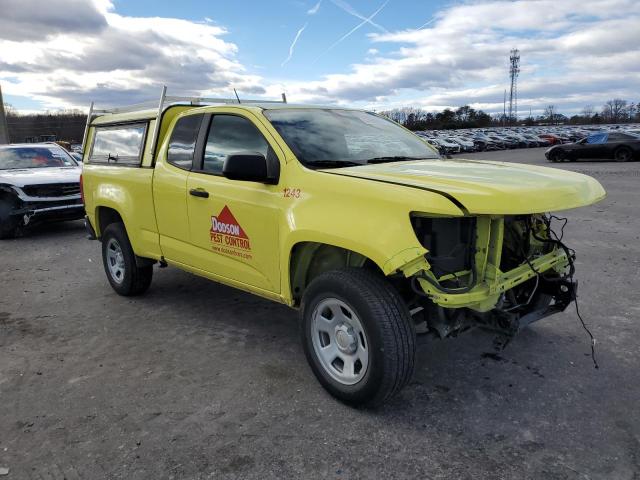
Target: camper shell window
(119, 145)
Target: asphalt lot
(197, 380)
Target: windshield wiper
(394, 159)
(331, 163)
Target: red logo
(227, 224)
(225, 230)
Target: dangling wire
(586, 329)
(570, 258)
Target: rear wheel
(358, 336)
(623, 154)
(124, 275)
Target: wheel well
(310, 259)
(8, 195)
(106, 216)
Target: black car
(619, 146)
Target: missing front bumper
(552, 296)
(484, 296)
(29, 215)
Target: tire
(558, 156)
(377, 332)
(124, 275)
(623, 154)
(8, 224)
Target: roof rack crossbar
(166, 100)
(173, 99)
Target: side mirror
(250, 167)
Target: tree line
(67, 125)
(616, 110)
(613, 111)
(419, 119)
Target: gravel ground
(197, 380)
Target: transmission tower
(514, 70)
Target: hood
(38, 176)
(483, 187)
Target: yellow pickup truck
(339, 213)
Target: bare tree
(588, 111)
(631, 111)
(614, 110)
(550, 113)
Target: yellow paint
(364, 209)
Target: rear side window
(620, 137)
(228, 135)
(120, 145)
(182, 145)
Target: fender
(128, 192)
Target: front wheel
(558, 156)
(358, 336)
(8, 223)
(124, 275)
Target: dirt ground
(196, 380)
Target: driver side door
(234, 224)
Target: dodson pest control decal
(228, 237)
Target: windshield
(34, 157)
(340, 138)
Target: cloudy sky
(364, 53)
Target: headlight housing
(450, 242)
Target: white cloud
(121, 60)
(19, 22)
(574, 52)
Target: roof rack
(166, 100)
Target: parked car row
(500, 138)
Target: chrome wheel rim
(339, 341)
(115, 261)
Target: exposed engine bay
(519, 262)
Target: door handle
(198, 192)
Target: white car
(465, 145)
(449, 147)
(38, 182)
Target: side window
(183, 141)
(121, 145)
(229, 134)
(619, 137)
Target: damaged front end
(498, 272)
(32, 204)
